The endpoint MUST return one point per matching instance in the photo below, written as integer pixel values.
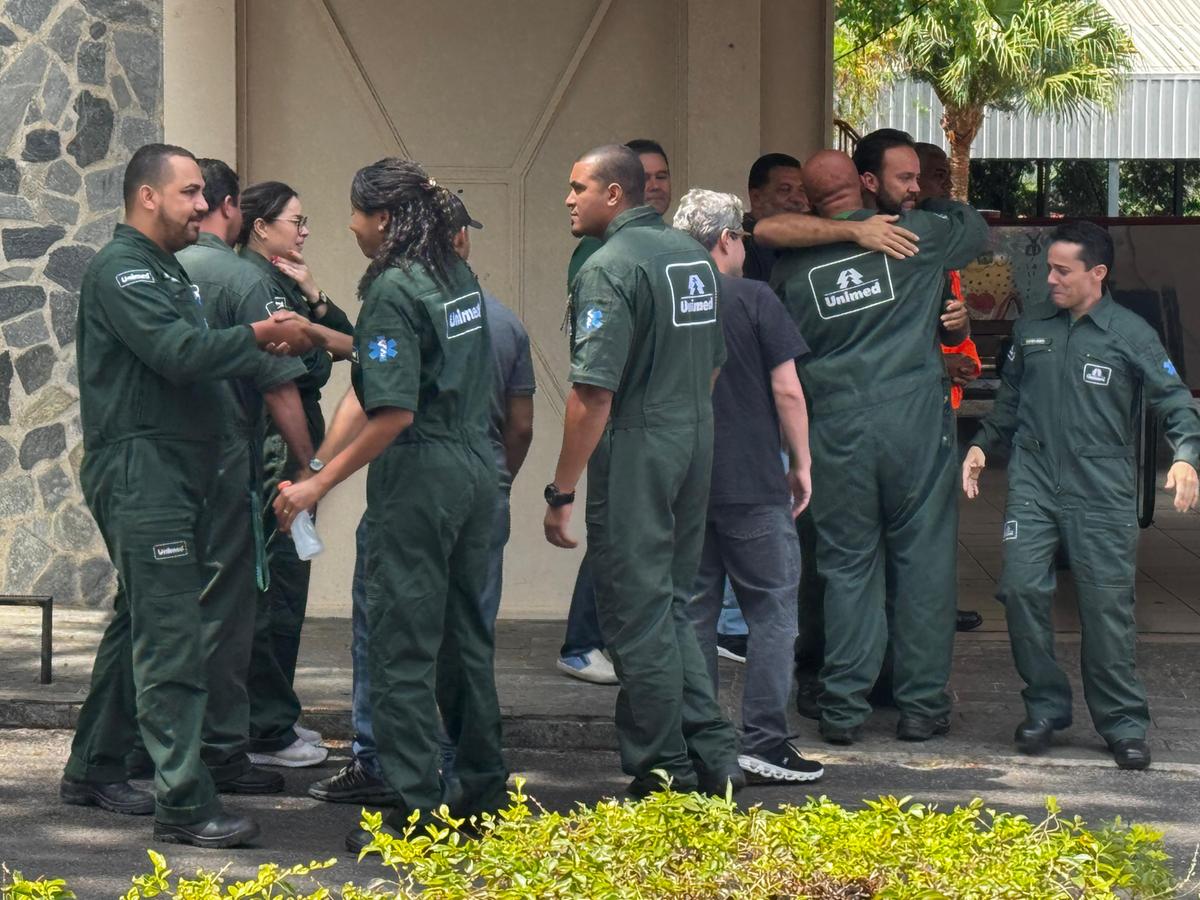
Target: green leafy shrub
(695, 847)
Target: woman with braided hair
(422, 381)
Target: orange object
(967, 348)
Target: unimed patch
(170, 550)
(464, 314)
(693, 293)
(850, 285)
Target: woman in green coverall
(421, 374)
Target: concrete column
(200, 77)
(797, 76)
(723, 94)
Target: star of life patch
(1169, 368)
(382, 348)
(593, 319)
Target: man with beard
(152, 396)
(883, 443)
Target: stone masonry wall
(80, 89)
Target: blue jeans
(583, 624)
(360, 692)
(731, 622)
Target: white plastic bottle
(304, 533)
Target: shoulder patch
(134, 276)
(382, 348)
(1169, 368)
(463, 315)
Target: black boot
(221, 831)
(253, 781)
(1033, 736)
(1131, 753)
(115, 796)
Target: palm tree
(1056, 57)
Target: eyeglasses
(299, 221)
(736, 234)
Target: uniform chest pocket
(1100, 371)
(187, 300)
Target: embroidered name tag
(170, 550)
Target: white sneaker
(592, 666)
(308, 735)
(297, 756)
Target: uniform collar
(213, 242)
(256, 259)
(132, 235)
(1101, 314)
(635, 217)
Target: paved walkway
(545, 710)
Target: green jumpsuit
(884, 457)
(152, 403)
(274, 706)
(238, 293)
(431, 496)
(1069, 405)
(644, 326)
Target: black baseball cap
(459, 217)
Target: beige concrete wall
(498, 100)
(200, 76)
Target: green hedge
(694, 847)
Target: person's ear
(147, 197)
(614, 194)
(385, 219)
(229, 207)
(1099, 272)
(260, 228)
(869, 182)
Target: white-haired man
(750, 536)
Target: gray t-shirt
(514, 374)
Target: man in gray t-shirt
(510, 429)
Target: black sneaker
(732, 646)
(354, 784)
(253, 781)
(781, 763)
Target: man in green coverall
(645, 349)
(1068, 406)
(883, 445)
(236, 293)
(152, 398)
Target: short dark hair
(869, 152)
(760, 172)
(1095, 243)
(265, 201)
(220, 182)
(645, 145)
(618, 164)
(148, 166)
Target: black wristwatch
(557, 498)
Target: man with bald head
(883, 444)
(645, 350)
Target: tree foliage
(1055, 57)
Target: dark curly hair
(421, 222)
